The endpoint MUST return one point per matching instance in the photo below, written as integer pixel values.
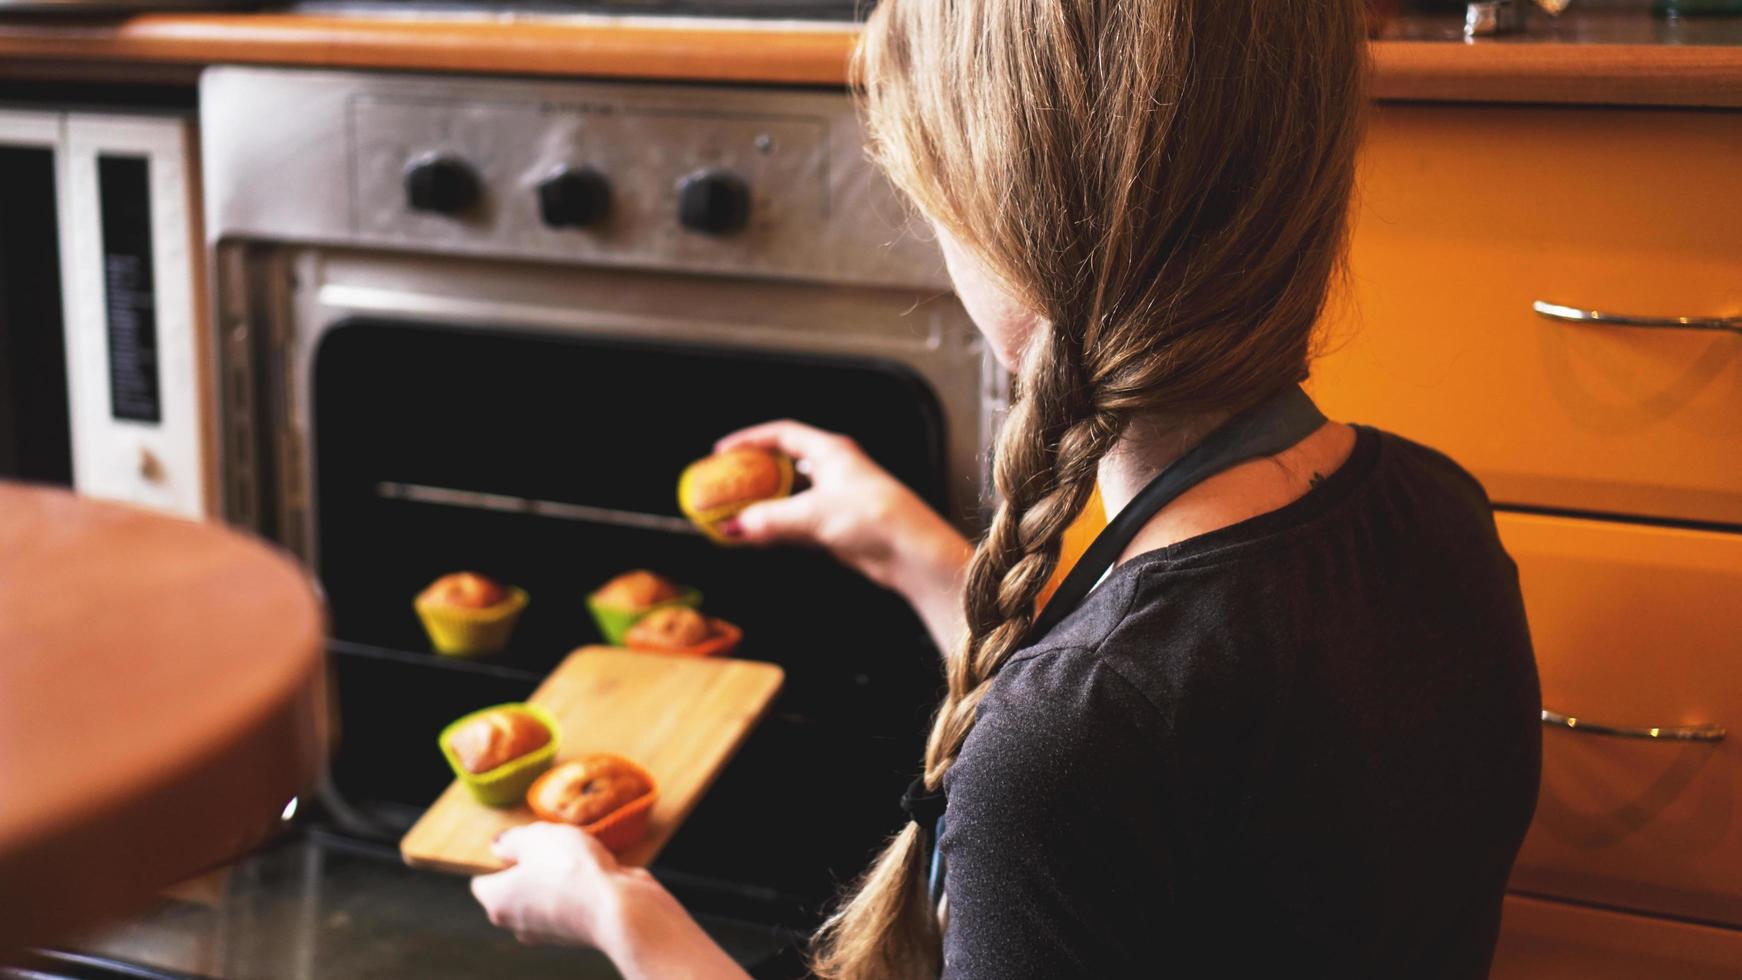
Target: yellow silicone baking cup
(506, 784)
(709, 520)
(455, 631)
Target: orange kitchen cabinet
(1635, 627)
(1467, 215)
(1541, 940)
(1077, 540)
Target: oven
(101, 380)
(483, 324)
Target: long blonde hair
(1166, 182)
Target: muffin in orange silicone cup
(620, 603)
(607, 796)
(467, 614)
(714, 490)
(683, 632)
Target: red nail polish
(731, 528)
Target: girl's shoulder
(1400, 534)
(1053, 721)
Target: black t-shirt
(1306, 745)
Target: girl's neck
(1150, 445)
(1238, 494)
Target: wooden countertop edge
(812, 55)
(1597, 74)
(552, 46)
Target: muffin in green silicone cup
(504, 784)
(620, 603)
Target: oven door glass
(551, 462)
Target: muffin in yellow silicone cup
(469, 615)
(714, 490)
(498, 752)
(622, 602)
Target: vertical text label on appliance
(124, 187)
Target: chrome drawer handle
(1572, 314)
(1690, 733)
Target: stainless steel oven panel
(927, 332)
(320, 157)
(308, 222)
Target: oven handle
(1687, 733)
(1573, 314)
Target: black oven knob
(574, 198)
(441, 185)
(713, 202)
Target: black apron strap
(1264, 430)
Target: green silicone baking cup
(614, 623)
(506, 784)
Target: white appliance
(120, 245)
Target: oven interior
(550, 461)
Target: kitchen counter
(1585, 56)
(1597, 57)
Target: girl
(1283, 718)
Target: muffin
(620, 603)
(465, 590)
(638, 590)
(608, 796)
(496, 738)
(467, 614)
(683, 631)
(497, 752)
(714, 490)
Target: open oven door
(551, 462)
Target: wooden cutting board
(681, 718)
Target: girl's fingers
(788, 520)
(557, 867)
(795, 439)
(544, 841)
(489, 891)
(508, 845)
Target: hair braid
(1048, 457)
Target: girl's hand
(564, 887)
(561, 887)
(864, 517)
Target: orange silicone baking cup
(722, 643)
(623, 827)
